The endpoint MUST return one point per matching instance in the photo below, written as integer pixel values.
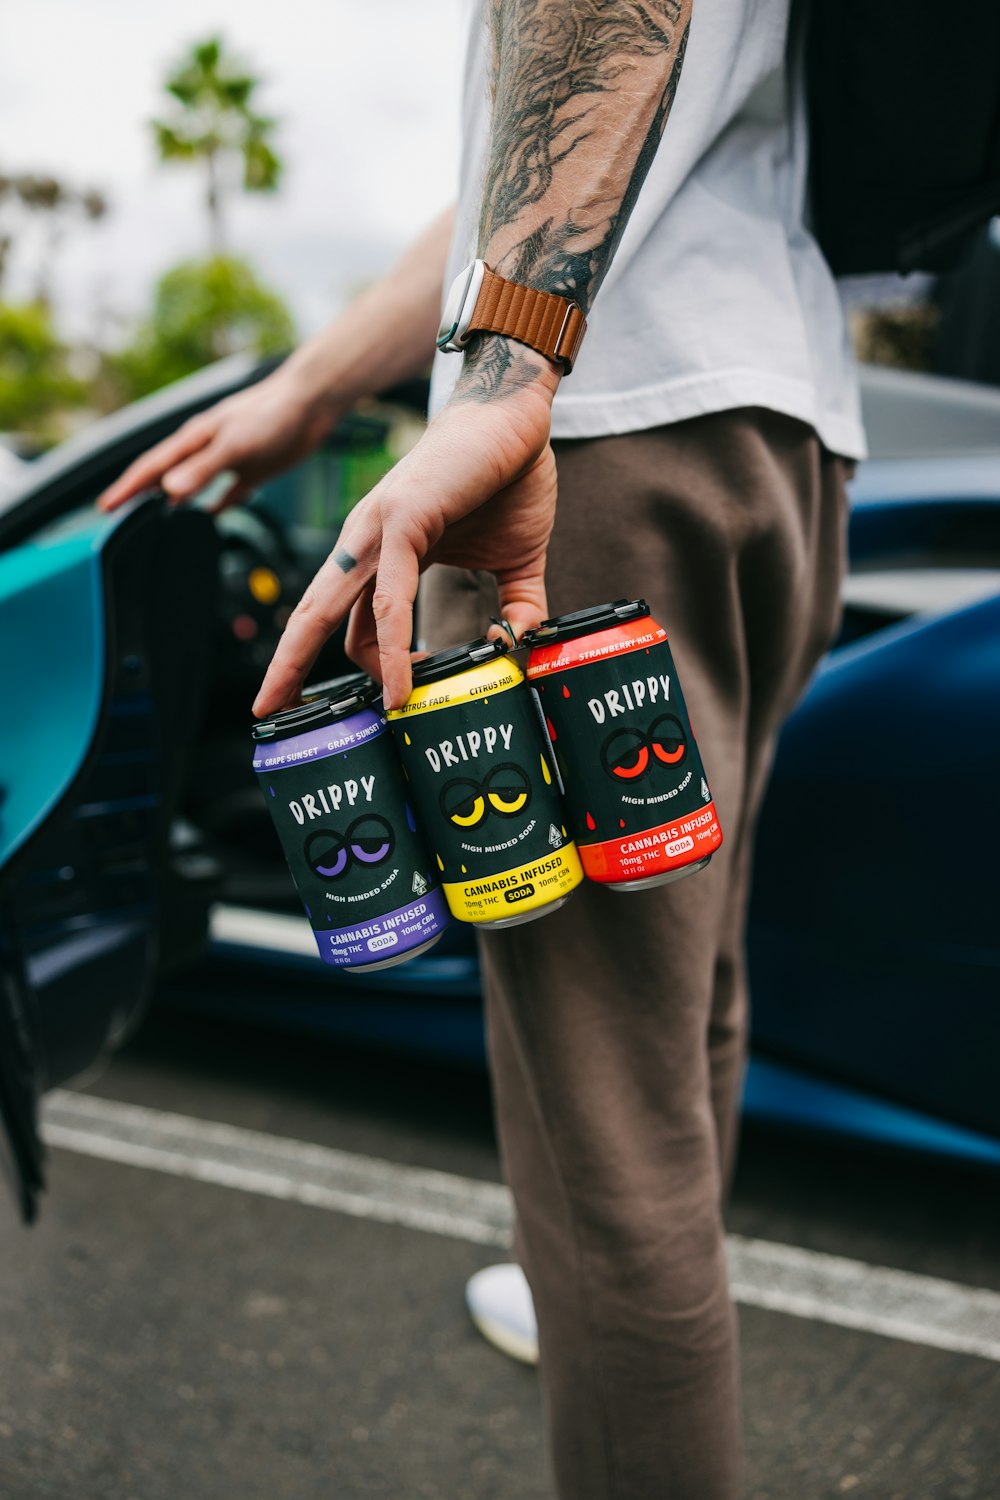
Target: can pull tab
(505, 626)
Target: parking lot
(248, 1276)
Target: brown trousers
(617, 1026)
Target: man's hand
(478, 491)
(255, 434)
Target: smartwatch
(480, 301)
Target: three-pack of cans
(505, 778)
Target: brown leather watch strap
(544, 321)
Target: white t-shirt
(718, 296)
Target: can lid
(457, 659)
(586, 621)
(333, 687)
(325, 710)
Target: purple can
(336, 792)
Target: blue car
(137, 859)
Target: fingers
(361, 641)
(151, 467)
(522, 600)
(392, 608)
(320, 610)
(380, 631)
(185, 479)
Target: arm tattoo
(553, 60)
(495, 366)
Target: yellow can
(485, 786)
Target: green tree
(202, 311)
(36, 384)
(213, 123)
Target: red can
(638, 799)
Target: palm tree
(213, 121)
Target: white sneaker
(500, 1305)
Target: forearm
(581, 94)
(386, 335)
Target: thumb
(522, 600)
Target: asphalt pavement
(255, 1307)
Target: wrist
(498, 368)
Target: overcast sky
(367, 95)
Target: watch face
(460, 305)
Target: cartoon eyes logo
(625, 754)
(368, 841)
(506, 791)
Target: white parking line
(782, 1278)
(277, 1167)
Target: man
(694, 444)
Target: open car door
(106, 624)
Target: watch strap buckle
(567, 346)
